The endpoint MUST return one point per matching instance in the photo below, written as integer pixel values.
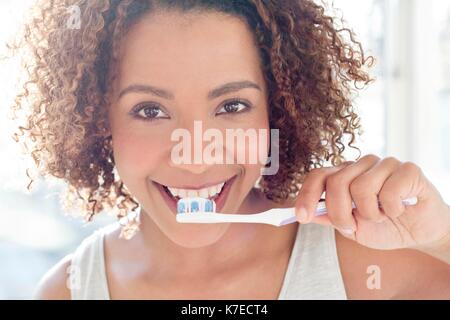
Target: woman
(114, 88)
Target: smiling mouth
(217, 193)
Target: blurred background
(405, 114)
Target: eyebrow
(217, 92)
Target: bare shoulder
(53, 285)
(391, 274)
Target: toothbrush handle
(322, 209)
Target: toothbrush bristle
(195, 204)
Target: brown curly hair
(308, 64)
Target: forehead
(172, 47)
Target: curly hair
(309, 66)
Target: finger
(311, 191)
(321, 219)
(339, 200)
(405, 182)
(365, 189)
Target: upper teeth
(203, 193)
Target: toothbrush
(201, 210)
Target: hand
(394, 226)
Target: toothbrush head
(195, 204)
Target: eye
(149, 112)
(235, 106)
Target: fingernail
(302, 215)
(348, 230)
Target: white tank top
(313, 270)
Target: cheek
(256, 151)
(137, 153)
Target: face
(176, 68)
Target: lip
(220, 201)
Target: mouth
(218, 193)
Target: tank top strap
(313, 271)
(87, 276)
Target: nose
(187, 148)
(192, 168)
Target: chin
(197, 236)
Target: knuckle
(314, 173)
(410, 167)
(391, 160)
(371, 158)
(338, 179)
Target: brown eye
(233, 107)
(149, 112)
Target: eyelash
(143, 106)
(139, 108)
(236, 101)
